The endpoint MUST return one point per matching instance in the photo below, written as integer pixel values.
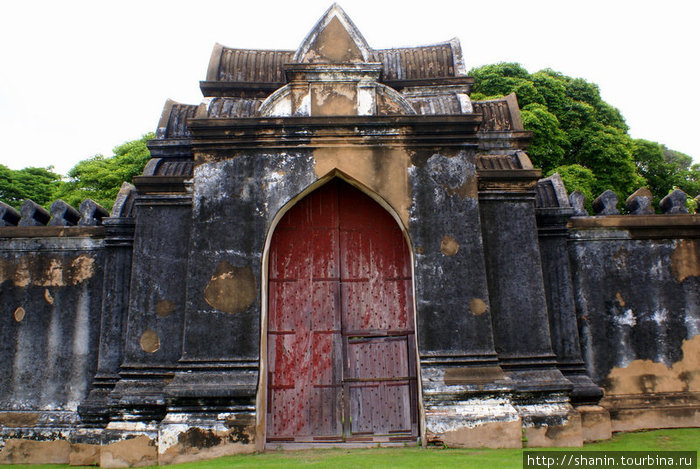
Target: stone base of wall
(485, 435)
(179, 439)
(595, 423)
(123, 444)
(549, 420)
(645, 411)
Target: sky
(78, 78)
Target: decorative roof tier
(334, 72)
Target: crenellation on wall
(63, 214)
(8, 215)
(91, 213)
(675, 202)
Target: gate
(341, 348)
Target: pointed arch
(406, 416)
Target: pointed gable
(334, 39)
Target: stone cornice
(640, 226)
(314, 132)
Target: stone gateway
(339, 247)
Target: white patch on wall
(282, 108)
(692, 312)
(658, 269)
(49, 387)
(81, 336)
(208, 186)
(304, 106)
(625, 322)
(366, 100)
(660, 317)
(168, 435)
(469, 413)
(627, 319)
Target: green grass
(415, 457)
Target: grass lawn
(415, 457)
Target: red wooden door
(341, 352)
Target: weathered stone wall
(637, 290)
(239, 195)
(51, 290)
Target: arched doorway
(341, 348)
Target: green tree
(99, 178)
(573, 125)
(687, 174)
(38, 184)
(578, 178)
(549, 143)
(607, 152)
(666, 169)
(651, 164)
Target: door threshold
(301, 445)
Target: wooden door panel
(304, 340)
(288, 298)
(340, 327)
(324, 417)
(365, 306)
(325, 262)
(286, 247)
(281, 357)
(380, 408)
(326, 350)
(326, 305)
(378, 358)
(355, 255)
(364, 402)
(398, 407)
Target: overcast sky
(80, 77)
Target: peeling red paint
(340, 335)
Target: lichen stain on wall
(164, 308)
(19, 314)
(477, 306)
(231, 289)
(333, 100)
(455, 175)
(685, 260)
(149, 341)
(82, 268)
(382, 170)
(47, 271)
(646, 376)
(449, 246)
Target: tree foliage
(574, 129)
(98, 178)
(578, 178)
(38, 184)
(665, 169)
